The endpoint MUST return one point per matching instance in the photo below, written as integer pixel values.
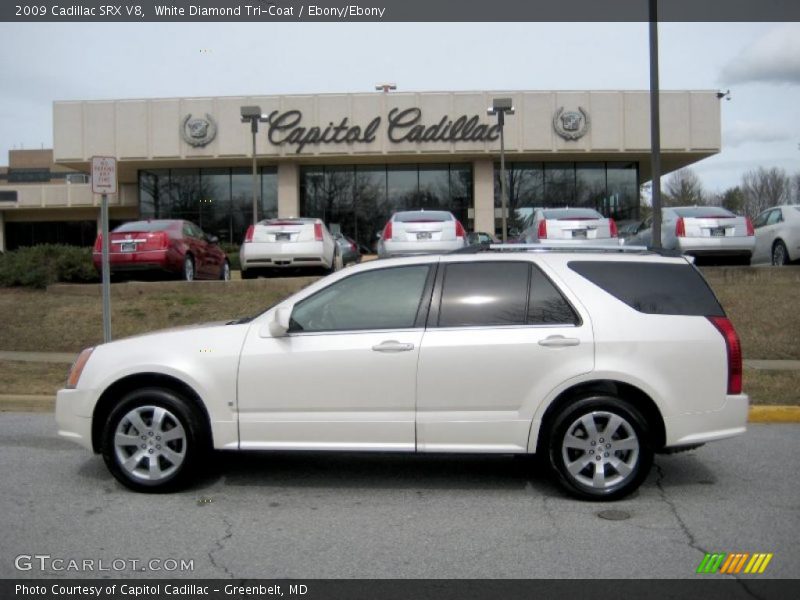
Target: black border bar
(292, 11)
(707, 587)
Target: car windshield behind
(704, 212)
(423, 216)
(148, 226)
(572, 213)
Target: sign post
(104, 182)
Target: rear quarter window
(653, 288)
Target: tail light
(460, 233)
(387, 231)
(750, 230)
(161, 239)
(680, 228)
(734, 350)
(317, 232)
(542, 230)
(98, 243)
(248, 237)
(353, 246)
(612, 226)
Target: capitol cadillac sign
(286, 128)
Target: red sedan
(173, 246)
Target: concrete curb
(774, 414)
(42, 404)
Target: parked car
(707, 232)
(589, 359)
(570, 226)
(629, 228)
(778, 235)
(171, 246)
(479, 237)
(421, 232)
(288, 243)
(348, 249)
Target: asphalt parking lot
(381, 516)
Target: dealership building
(350, 159)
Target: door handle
(392, 346)
(558, 341)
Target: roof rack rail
(514, 247)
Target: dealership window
(71, 233)
(358, 200)
(219, 200)
(609, 187)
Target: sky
(758, 62)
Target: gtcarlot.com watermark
(48, 563)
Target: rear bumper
(74, 416)
(734, 246)
(392, 248)
(697, 428)
(283, 255)
(139, 261)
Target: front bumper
(74, 416)
(697, 428)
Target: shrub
(40, 266)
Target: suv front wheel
(599, 448)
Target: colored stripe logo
(734, 563)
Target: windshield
(704, 212)
(423, 216)
(156, 225)
(572, 213)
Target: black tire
(187, 271)
(225, 271)
(176, 459)
(250, 274)
(780, 256)
(631, 430)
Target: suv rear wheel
(599, 448)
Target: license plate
(579, 233)
(283, 237)
(424, 235)
(127, 247)
(718, 232)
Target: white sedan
(778, 235)
(421, 232)
(288, 243)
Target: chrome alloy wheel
(600, 449)
(150, 443)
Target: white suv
(594, 360)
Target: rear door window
(484, 293)
(546, 305)
(653, 288)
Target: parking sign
(104, 175)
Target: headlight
(77, 368)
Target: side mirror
(278, 324)
(212, 239)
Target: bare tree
(683, 188)
(795, 185)
(763, 188)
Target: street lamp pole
(501, 107)
(655, 126)
(252, 114)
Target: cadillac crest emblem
(198, 132)
(571, 125)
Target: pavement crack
(674, 510)
(688, 532)
(219, 546)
